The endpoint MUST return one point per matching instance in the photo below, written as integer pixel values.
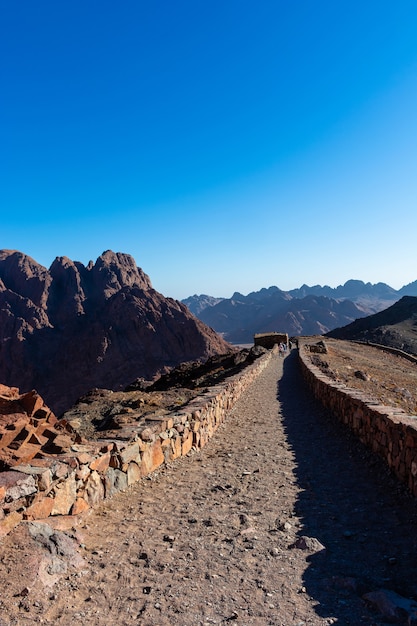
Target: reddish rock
(187, 444)
(152, 458)
(31, 402)
(79, 506)
(84, 458)
(72, 328)
(101, 463)
(39, 510)
(28, 428)
(8, 392)
(9, 522)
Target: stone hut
(268, 340)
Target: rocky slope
(71, 328)
(396, 327)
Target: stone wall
(72, 482)
(389, 432)
(269, 340)
(397, 351)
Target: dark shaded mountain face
(71, 328)
(241, 317)
(396, 326)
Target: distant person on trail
(281, 349)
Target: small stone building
(268, 340)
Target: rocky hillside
(396, 326)
(71, 328)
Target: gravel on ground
(283, 519)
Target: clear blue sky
(225, 144)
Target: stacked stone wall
(389, 432)
(70, 483)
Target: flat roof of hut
(268, 340)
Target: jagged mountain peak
(68, 329)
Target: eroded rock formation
(28, 427)
(71, 328)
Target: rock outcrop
(71, 328)
(28, 428)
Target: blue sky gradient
(225, 145)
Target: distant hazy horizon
(293, 288)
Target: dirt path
(211, 539)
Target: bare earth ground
(213, 538)
(386, 377)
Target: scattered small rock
(308, 543)
(361, 375)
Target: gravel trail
(213, 538)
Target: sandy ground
(217, 537)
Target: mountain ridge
(303, 311)
(71, 328)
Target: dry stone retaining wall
(386, 430)
(70, 483)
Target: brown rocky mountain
(396, 327)
(71, 328)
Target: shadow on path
(350, 502)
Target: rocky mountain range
(303, 311)
(71, 328)
(196, 303)
(395, 326)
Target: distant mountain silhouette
(239, 318)
(396, 326)
(196, 303)
(303, 311)
(370, 298)
(408, 290)
(71, 328)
